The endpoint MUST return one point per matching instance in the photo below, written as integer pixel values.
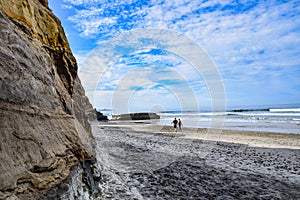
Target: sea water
(271, 118)
(283, 118)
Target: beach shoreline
(247, 137)
(146, 161)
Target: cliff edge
(46, 147)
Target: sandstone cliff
(46, 147)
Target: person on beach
(179, 125)
(175, 122)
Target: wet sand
(145, 161)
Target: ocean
(283, 118)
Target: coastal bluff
(46, 145)
(136, 116)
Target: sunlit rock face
(46, 147)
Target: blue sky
(254, 46)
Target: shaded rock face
(100, 116)
(83, 110)
(136, 116)
(45, 138)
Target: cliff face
(83, 110)
(45, 138)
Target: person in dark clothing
(175, 122)
(179, 125)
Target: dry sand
(144, 161)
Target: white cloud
(250, 42)
(183, 80)
(81, 57)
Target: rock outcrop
(100, 116)
(136, 116)
(46, 147)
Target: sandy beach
(146, 161)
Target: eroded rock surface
(45, 138)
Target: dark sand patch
(138, 164)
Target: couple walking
(176, 122)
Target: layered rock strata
(46, 147)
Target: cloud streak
(253, 43)
(135, 68)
